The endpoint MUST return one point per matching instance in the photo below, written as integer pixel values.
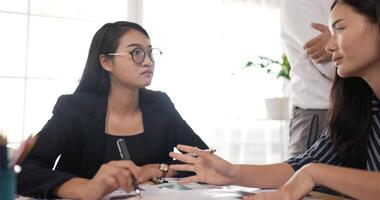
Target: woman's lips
(147, 72)
(337, 60)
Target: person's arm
(322, 151)
(71, 189)
(214, 170)
(37, 177)
(109, 177)
(263, 176)
(296, 30)
(209, 168)
(355, 183)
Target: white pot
(277, 108)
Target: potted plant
(277, 108)
(277, 68)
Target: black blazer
(76, 132)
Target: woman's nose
(331, 45)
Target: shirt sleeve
(296, 29)
(37, 177)
(321, 151)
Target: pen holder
(7, 184)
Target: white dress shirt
(310, 82)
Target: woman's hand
(110, 176)
(299, 185)
(148, 172)
(209, 168)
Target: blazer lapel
(94, 136)
(154, 123)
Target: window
(206, 44)
(44, 46)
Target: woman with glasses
(347, 156)
(110, 103)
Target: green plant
(278, 68)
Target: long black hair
(350, 114)
(94, 78)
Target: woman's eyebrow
(336, 21)
(134, 45)
(138, 45)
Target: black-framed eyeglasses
(138, 54)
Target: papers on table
(173, 191)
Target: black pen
(124, 154)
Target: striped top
(322, 150)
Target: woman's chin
(346, 74)
(146, 83)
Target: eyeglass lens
(138, 54)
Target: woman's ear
(106, 62)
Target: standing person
(346, 157)
(110, 103)
(304, 38)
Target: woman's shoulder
(79, 98)
(157, 98)
(152, 94)
(78, 101)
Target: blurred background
(206, 45)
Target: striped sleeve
(373, 161)
(320, 152)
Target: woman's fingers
(183, 167)
(127, 164)
(325, 58)
(186, 180)
(316, 55)
(111, 182)
(125, 179)
(183, 157)
(311, 43)
(116, 175)
(186, 148)
(312, 50)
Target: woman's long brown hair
(350, 114)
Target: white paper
(192, 191)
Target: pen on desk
(124, 154)
(211, 151)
